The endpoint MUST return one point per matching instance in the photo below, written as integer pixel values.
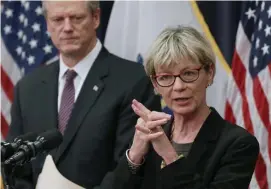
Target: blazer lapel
(203, 144)
(91, 89)
(205, 141)
(158, 160)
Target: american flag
(25, 45)
(249, 87)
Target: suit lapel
(91, 89)
(48, 95)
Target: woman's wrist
(134, 157)
(132, 166)
(164, 164)
(170, 157)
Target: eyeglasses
(187, 76)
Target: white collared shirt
(81, 68)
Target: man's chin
(69, 50)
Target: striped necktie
(67, 101)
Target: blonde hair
(175, 44)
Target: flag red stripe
(7, 85)
(4, 126)
(239, 74)
(229, 115)
(261, 103)
(260, 100)
(260, 173)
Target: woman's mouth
(181, 101)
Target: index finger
(159, 115)
(141, 107)
(140, 113)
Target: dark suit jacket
(102, 122)
(222, 156)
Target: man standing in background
(87, 95)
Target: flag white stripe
(253, 183)
(243, 46)
(5, 106)
(9, 65)
(235, 100)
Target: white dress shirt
(81, 68)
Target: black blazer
(222, 156)
(102, 122)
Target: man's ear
(96, 15)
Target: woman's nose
(179, 84)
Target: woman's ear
(211, 74)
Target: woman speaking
(195, 147)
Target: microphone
(29, 150)
(8, 149)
